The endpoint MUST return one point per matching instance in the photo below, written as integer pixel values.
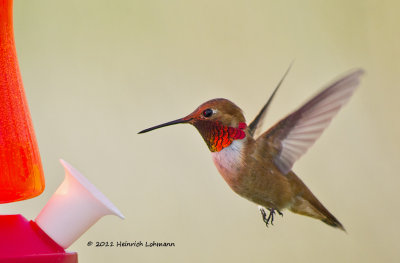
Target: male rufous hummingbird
(260, 168)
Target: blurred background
(97, 72)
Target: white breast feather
(228, 160)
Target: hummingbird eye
(207, 113)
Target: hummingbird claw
(271, 215)
(270, 219)
(264, 216)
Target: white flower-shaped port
(75, 206)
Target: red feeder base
(23, 241)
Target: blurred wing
(258, 121)
(293, 135)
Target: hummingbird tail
(334, 222)
(313, 208)
(306, 203)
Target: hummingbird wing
(258, 121)
(292, 136)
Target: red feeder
(22, 241)
(75, 206)
(21, 173)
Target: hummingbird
(259, 168)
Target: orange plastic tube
(21, 172)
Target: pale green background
(97, 72)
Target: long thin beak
(183, 120)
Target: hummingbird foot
(270, 219)
(279, 212)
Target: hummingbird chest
(229, 162)
(251, 175)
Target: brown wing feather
(258, 120)
(296, 133)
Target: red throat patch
(218, 136)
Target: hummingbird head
(219, 122)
